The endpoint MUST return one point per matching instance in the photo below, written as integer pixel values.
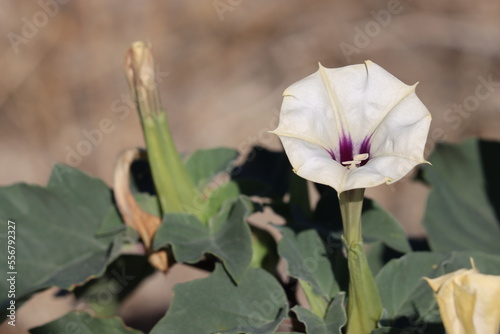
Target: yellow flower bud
(469, 302)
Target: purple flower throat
(347, 155)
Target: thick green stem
(364, 305)
(173, 185)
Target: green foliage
(57, 239)
(311, 261)
(333, 321)
(204, 165)
(459, 214)
(83, 323)
(70, 234)
(379, 225)
(217, 305)
(227, 236)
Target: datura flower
(469, 302)
(353, 127)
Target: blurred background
(222, 66)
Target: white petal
(385, 169)
(404, 131)
(305, 114)
(366, 94)
(313, 163)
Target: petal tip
(389, 180)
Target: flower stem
(176, 191)
(364, 305)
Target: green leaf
(375, 255)
(405, 293)
(309, 259)
(227, 236)
(113, 222)
(56, 231)
(333, 322)
(204, 165)
(215, 304)
(148, 203)
(402, 289)
(83, 323)
(459, 215)
(265, 250)
(227, 192)
(313, 323)
(379, 225)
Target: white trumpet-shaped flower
(353, 127)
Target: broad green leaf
(405, 293)
(227, 192)
(113, 222)
(204, 165)
(265, 250)
(375, 255)
(309, 259)
(402, 289)
(227, 236)
(332, 323)
(312, 322)
(56, 231)
(379, 225)
(459, 215)
(215, 304)
(148, 203)
(84, 323)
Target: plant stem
(364, 305)
(173, 184)
(176, 191)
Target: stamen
(361, 157)
(357, 159)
